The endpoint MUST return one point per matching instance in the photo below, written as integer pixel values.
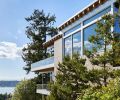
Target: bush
(26, 90)
(111, 92)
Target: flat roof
(82, 13)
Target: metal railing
(42, 86)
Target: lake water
(8, 90)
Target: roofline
(81, 13)
(77, 13)
(52, 40)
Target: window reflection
(90, 30)
(72, 29)
(117, 26)
(77, 43)
(68, 45)
(97, 15)
(117, 20)
(50, 50)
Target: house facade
(72, 38)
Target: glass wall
(45, 78)
(72, 44)
(77, 43)
(68, 45)
(117, 21)
(87, 32)
(72, 29)
(97, 15)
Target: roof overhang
(52, 40)
(82, 13)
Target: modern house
(73, 37)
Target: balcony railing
(42, 86)
(43, 89)
(43, 64)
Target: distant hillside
(8, 83)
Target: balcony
(46, 64)
(43, 89)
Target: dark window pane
(97, 15)
(72, 29)
(116, 7)
(117, 26)
(68, 46)
(117, 20)
(77, 43)
(46, 78)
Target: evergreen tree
(5, 96)
(39, 26)
(71, 79)
(26, 90)
(111, 92)
(115, 52)
(106, 46)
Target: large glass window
(90, 30)
(72, 29)
(68, 45)
(97, 15)
(45, 78)
(117, 21)
(117, 25)
(77, 43)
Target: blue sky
(12, 29)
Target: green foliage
(95, 61)
(106, 50)
(105, 53)
(26, 90)
(105, 41)
(114, 53)
(71, 79)
(39, 26)
(5, 96)
(111, 92)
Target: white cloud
(88, 44)
(10, 50)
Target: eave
(52, 40)
(82, 13)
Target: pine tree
(106, 50)
(115, 52)
(71, 79)
(39, 26)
